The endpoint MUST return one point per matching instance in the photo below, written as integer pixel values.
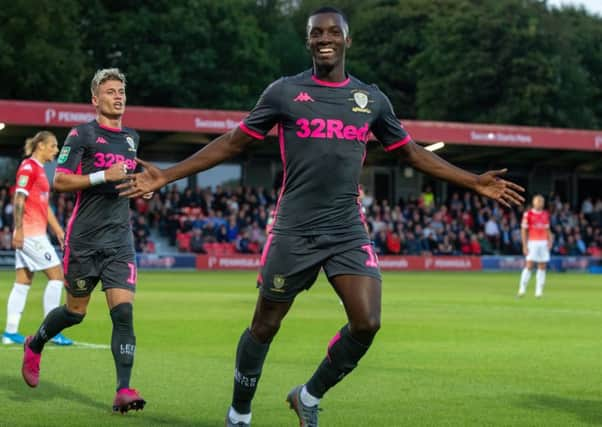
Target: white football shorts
(37, 254)
(538, 251)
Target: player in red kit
(33, 250)
(537, 240)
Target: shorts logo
(131, 143)
(278, 282)
(64, 155)
(80, 283)
(23, 180)
(47, 256)
(361, 100)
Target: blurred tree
(492, 61)
(40, 50)
(504, 61)
(188, 53)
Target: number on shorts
(372, 260)
(132, 279)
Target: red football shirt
(537, 224)
(32, 181)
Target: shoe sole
(135, 405)
(293, 403)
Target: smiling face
(109, 98)
(327, 39)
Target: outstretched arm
(488, 184)
(222, 148)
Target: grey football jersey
(323, 130)
(100, 218)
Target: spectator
(197, 242)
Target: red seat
(183, 240)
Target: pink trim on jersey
(332, 342)
(359, 205)
(264, 254)
(250, 132)
(283, 158)
(64, 170)
(78, 198)
(66, 253)
(109, 128)
(331, 84)
(399, 143)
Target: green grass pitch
(455, 349)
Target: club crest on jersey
(131, 143)
(80, 283)
(23, 179)
(361, 100)
(64, 155)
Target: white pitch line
(76, 345)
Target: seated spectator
(243, 242)
(484, 244)
(222, 234)
(414, 246)
(594, 250)
(393, 243)
(197, 242)
(445, 247)
(6, 238)
(475, 247)
(380, 242)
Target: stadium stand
(235, 220)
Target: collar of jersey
(330, 84)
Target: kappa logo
(303, 97)
(27, 167)
(101, 140)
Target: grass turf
(455, 349)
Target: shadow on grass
(15, 389)
(588, 411)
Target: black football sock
(123, 343)
(57, 320)
(250, 356)
(344, 352)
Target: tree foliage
(499, 61)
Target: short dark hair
(330, 9)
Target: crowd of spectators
(235, 220)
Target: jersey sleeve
(71, 154)
(387, 128)
(266, 113)
(26, 176)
